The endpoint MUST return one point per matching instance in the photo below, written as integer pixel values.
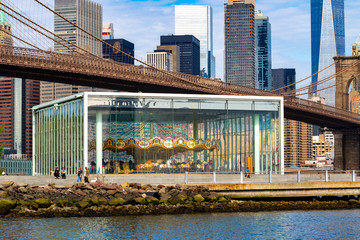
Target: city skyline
(289, 50)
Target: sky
(144, 21)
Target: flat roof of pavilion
(158, 96)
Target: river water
(266, 225)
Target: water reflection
(270, 225)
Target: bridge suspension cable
(322, 81)
(115, 48)
(22, 40)
(21, 30)
(71, 49)
(47, 31)
(292, 84)
(322, 89)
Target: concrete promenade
(192, 178)
(229, 184)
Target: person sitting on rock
(247, 172)
(63, 173)
(57, 173)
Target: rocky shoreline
(99, 199)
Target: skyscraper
(298, 135)
(18, 96)
(283, 77)
(107, 31)
(263, 51)
(87, 15)
(355, 48)
(197, 20)
(123, 45)
(175, 53)
(189, 51)
(160, 59)
(327, 41)
(240, 42)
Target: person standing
(86, 175)
(80, 173)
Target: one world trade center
(327, 41)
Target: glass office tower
(197, 20)
(189, 47)
(263, 51)
(159, 133)
(240, 42)
(327, 41)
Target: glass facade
(283, 77)
(240, 43)
(124, 45)
(197, 20)
(189, 51)
(58, 137)
(154, 133)
(263, 51)
(327, 41)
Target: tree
(2, 145)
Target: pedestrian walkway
(195, 178)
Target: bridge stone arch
(347, 141)
(351, 68)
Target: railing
(293, 177)
(90, 65)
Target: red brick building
(17, 97)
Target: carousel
(157, 155)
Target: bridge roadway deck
(340, 185)
(87, 71)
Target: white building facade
(161, 60)
(197, 20)
(108, 31)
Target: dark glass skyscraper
(327, 41)
(124, 45)
(263, 51)
(240, 42)
(189, 51)
(283, 77)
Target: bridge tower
(5, 37)
(347, 141)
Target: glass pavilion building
(158, 133)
